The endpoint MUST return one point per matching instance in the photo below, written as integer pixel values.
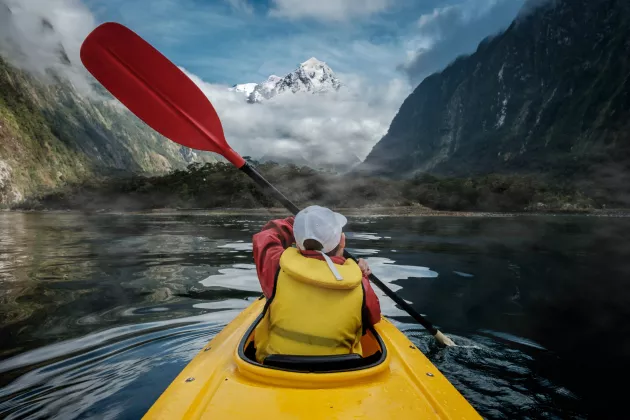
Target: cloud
(241, 6)
(531, 5)
(327, 10)
(43, 35)
(350, 121)
(454, 30)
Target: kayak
(393, 379)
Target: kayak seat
(314, 363)
(374, 353)
(338, 363)
(303, 362)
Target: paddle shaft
(273, 191)
(161, 95)
(268, 188)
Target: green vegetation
(220, 185)
(51, 135)
(38, 159)
(496, 193)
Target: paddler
(318, 302)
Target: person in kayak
(318, 302)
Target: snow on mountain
(312, 76)
(271, 82)
(246, 88)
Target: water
(99, 313)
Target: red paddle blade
(154, 89)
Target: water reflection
(238, 246)
(99, 372)
(100, 313)
(239, 276)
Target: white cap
(320, 224)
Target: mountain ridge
(550, 95)
(312, 76)
(50, 135)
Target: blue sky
(238, 41)
(379, 49)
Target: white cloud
(449, 31)
(42, 35)
(329, 10)
(463, 12)
(241, 6)
(349, 121)
(428, 18)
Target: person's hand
(365, 268)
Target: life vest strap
(312, 340)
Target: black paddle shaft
(271, 190)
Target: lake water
(99, 313)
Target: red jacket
(270, 243)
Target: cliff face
(50, 134)
(549, 94)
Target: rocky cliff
(550, 94)
(51, 135)
(312, 76)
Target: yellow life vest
(311, 313)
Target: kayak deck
(220, 383)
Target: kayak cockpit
(373, 347)
(222, 382)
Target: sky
(379, 49)
(239, 41)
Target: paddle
(161, 95)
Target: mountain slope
(311, 76)
(314, 77)
(550, 94)
(50, 135)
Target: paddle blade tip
(444, 340)
(154, 89)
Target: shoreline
(399, 211)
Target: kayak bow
(397, 382)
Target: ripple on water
(363, 236)
(121, 371)
(238, 246)
(465, 275)
(69, 379)
(513, 339)
(495, 378)
(238, 277)
(388, 271)
(226, 304)
(358, 252)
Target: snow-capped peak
(312, 76)
(313, 63)
(246, 88)
(271, 81)
(273, 78)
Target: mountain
(50, 134)
(246, 88)
(549, 95)
(294, 158)
(311, 76)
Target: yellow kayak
(393, 380)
